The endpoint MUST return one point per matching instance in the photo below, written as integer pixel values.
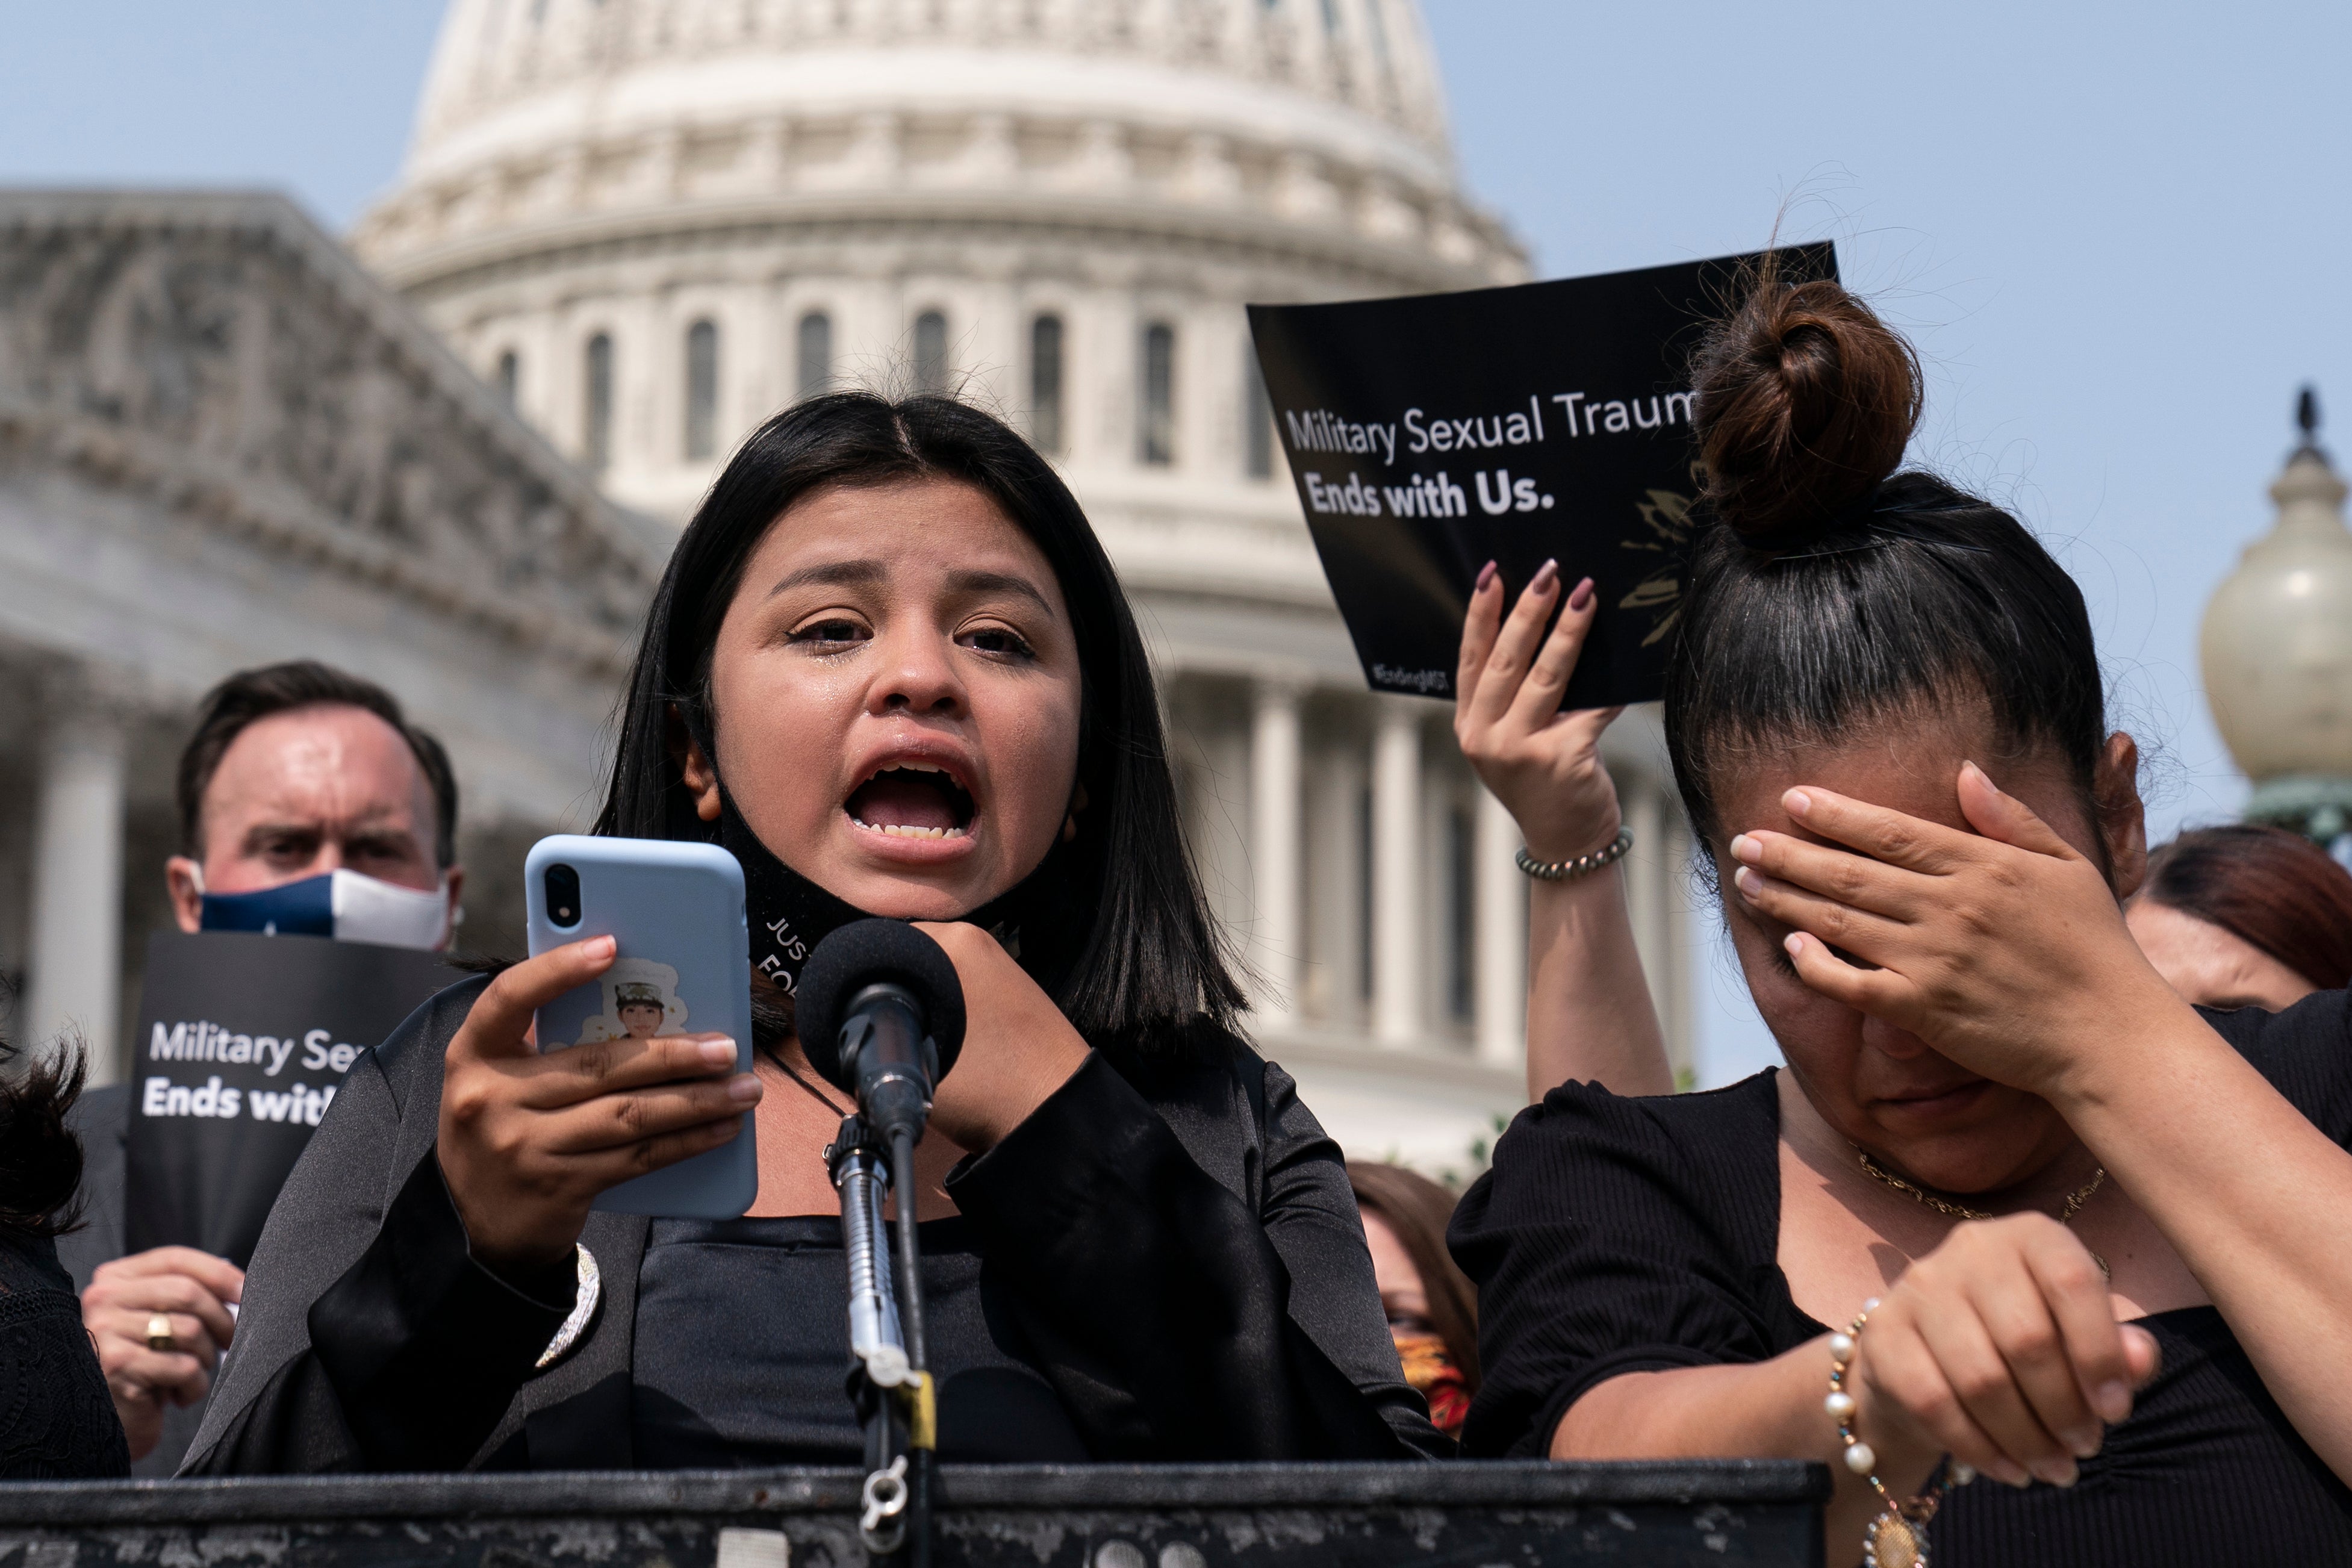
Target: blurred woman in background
(1432, 1308)
(2244, 916)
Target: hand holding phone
(530, 1141)
(681, 961)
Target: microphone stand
(895, 1397)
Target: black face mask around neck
(788, 914)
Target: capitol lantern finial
(2277, 650)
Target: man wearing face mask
(309, 805)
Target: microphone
(879, 1012)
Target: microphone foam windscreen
(870, 953)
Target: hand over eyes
(2003, 949)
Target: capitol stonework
(646, 225)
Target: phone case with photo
(683, 967)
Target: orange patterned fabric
(1429, 1369)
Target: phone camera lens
(563, 895)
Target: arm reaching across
(1589, 1015)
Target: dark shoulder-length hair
(40, 1158)
(1124, 941)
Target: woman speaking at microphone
(890, 669)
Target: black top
(56, 1420)
(1169, 1246)
(1629, 1235)
(712, 1396)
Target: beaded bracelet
(1898, 1537)
(1582, 865)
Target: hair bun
(1805, 401)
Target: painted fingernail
(718, 1053)
(743, 1089)
(1547, 578)
(1747, 881)
(2080, 1441)
(1746, 848)
(2113, 1401)
(1796, 803)
(1582, 597)
(1485, 575)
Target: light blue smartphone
(683, 967)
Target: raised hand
(1542, 764)
(2004, 949)
(2001, 1349)
(1589, 1011)
(528, 1142)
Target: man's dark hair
(255, 694)
(1126, 948)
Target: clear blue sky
(2118, 233)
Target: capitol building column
(1500, 889)
(1277, 930)
(1399, 956)
(74, 952)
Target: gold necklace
(2066, 1213)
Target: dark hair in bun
(1826, 590)
(1805, 401)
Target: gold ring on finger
(159, 1332)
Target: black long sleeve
(1178, 1242)
(1163, 1309)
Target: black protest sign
(1431, 434)
(242, 1041)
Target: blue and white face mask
(344, 905)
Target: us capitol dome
(649, 224)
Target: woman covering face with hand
(2015, 1208)
(890, 670)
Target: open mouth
(913, 800)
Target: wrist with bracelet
(1582, 865)
(1896, 1537)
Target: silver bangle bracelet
(1582, 865)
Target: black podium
(1464, 1515)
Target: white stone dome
(1304, 75)
(587, 166)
